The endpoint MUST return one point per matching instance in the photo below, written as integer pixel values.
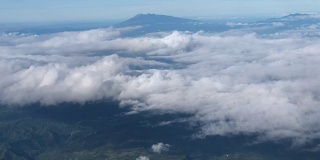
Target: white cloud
(142, 158)
(160, 147)
(232, 83)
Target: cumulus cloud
(142, 158)
(233, 83)
(160, 147)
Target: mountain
(150, 23)
(302, 24)
(297, 17)
(154, 19)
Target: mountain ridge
(152, 23)
(154, 19)
(296, 17)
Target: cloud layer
(233, 83)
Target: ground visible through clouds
(243, 91)
(102, 131)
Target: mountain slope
(151, 23)
(154, 19)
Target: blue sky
(85, 10)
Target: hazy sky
(75, 10)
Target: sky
(85, 10)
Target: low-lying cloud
(232, 83)
(142, 158)
(160, 147)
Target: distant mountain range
(151, 23)
(297, 17)
(155, 19)
(160, 23)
